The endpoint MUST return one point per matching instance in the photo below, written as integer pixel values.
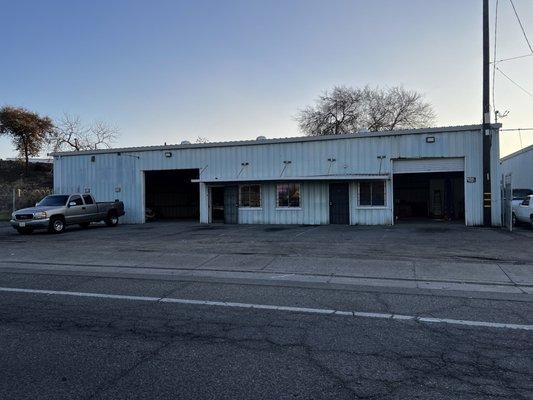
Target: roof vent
(261, 137)
(185, 142)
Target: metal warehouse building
(364, 178)
(520, 166)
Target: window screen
(250, 196)
(288, 195)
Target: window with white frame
(250, 196)
(288, 195)
(372, 193)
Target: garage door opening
(436, 196)
(170, 194)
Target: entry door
(231, 203)
(75, 213)
(339, 203)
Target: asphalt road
(59, 346)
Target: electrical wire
(515, 83)
(521, 26)
(511, 58)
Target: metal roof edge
(516, 153)
(296, 139)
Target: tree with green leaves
(28, 130)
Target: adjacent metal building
(519, 166)
(359, 179)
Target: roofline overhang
(346, 177)
(300, 139)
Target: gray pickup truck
(56, 211)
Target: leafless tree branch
(349, 110)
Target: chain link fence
(15, 198)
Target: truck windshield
(56, 200)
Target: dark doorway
(224, 204)
(339, 203)
(217, 204)
(170, 194)
(438, 196)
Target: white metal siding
(125, 171)
(428, 165)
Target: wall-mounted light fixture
(332, 159)
(168, 154)
(430, 139)
(93, 158)
(244, 164)
(287, 162)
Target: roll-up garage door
(414, 165)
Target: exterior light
(168, 154)
(430, 139)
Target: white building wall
(520, 165)
(119, 174)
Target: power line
(516, 129)
(515, 83)
(521, 26)
(512, 58)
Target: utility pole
(486, 128)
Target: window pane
(378, 193)
(88, 199)
(255, 196)
(365, 194)
(77, 200)
(294, 195)
(283, 195)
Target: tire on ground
(112, 219)
(56, 225)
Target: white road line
(307, 310)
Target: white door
(421, 165)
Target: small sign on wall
(471, 179)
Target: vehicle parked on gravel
(523, 213)
(56, 211)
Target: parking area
(412, 255)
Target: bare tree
(71, 134)
(349, 110)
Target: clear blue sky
(166, 71)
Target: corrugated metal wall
(120, 175)
(521, 168)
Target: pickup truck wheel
(85, 225)
(112, 219)
(57, 225)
